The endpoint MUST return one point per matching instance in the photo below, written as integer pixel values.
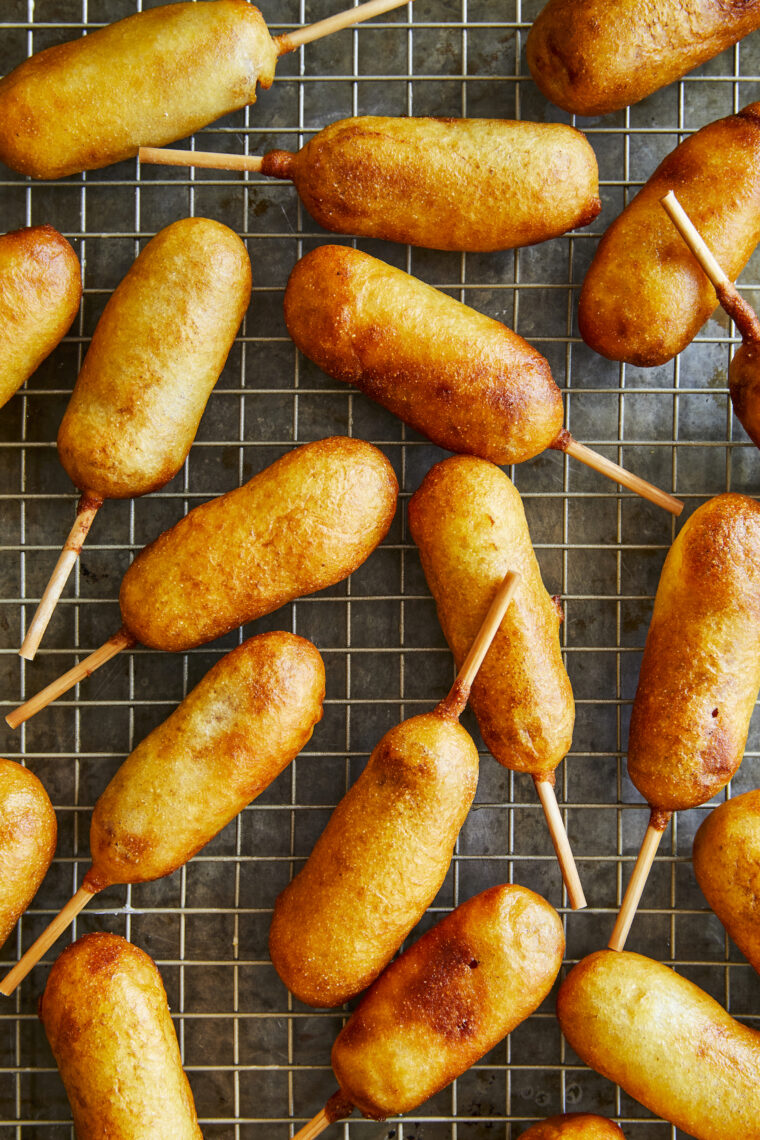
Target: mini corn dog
(107, 1020)
(464, 380)
(574, 1126)
(595, 56)
(233, 734)
(386, 849)
(470, 184)
(700, 674)
(664, 1041)
(445, 1002)
(469, 525)
(40, 290)
(302, 524)
(726, 859)
(644, 298)
(28, 833)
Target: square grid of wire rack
(257, 1060)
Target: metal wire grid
(257, 1059)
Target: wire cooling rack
(257, 1060)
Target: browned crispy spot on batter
(444, 998)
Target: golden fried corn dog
(727, 865)
(378, 864)
(574, 1126)
(304, 523)
(156, 354)
(166, 71)
(40, 290)
(28, 833)
(595, 56)
(469, 525)
(107, 1020)
(387, 847)
(700, 673)
(469, 184)
(644, 298)
(468, 522)
(664, 1041)
(464, 380)
(449, 998)
(232, 735)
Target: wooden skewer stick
(121, 640)
(337, 1108)
(459, 693)
(291, 40)
(315, 1126)
(561, 843)
(46, 939)
(658, 821)
(89, 505)
(565, 442)
(206, 159)
(741, 313)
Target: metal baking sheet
(257, 1060)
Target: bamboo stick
(46, 939)
(618, 474)
(88, 507)
(292, 40)
(459, 694)
(121, 640)
(657, 823)
(561, 843)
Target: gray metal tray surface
(257, 1060)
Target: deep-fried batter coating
(700, 673)
(156, 353)
(470, 184)
(378, 864)
(107, 1020)
(28, 833)
(464, 380)
(595, 56)
(744, 386)
(727, 865)
(448, 999)
(645, 296)
(303, 523)
(574, 1126)
(231, 736)
(147, 80)
(40, 290)
(469, 524)
(664, 1041)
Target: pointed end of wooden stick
(620, 475)
(560, 842)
